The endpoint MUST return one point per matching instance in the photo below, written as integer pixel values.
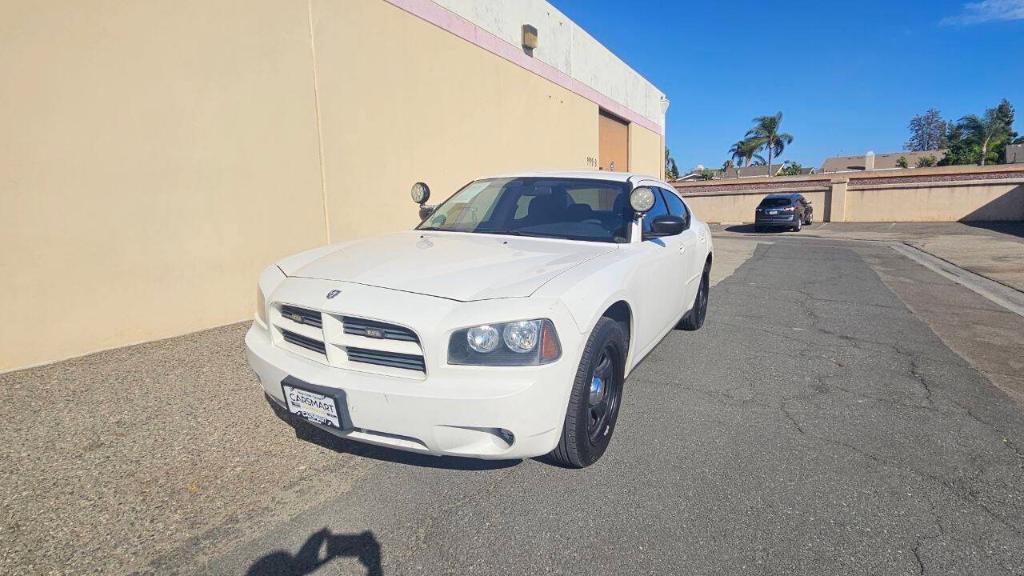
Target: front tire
(595, 398)
(694, 319)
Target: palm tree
(987, 132)
(744, 153)
(727, 165)
(765, 135)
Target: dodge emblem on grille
(296, 318)
(374, 333)
(333, 293)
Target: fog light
(508, 437)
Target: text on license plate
(314, 407)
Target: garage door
(613, 142)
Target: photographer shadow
(363, 546)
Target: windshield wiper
(527, 234)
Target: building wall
(566, 47)
(155, 156)
(432, 107)
(646, 151)
(1015, 154)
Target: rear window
(775, 202)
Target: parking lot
(845, 410)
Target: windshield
(567, 208)
(775, 202)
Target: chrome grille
(304, 342)
(349, 342)
(382, 358)
(374, 329)
(302, 315)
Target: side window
(676, 207)
(658, 209)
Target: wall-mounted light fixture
(529, 39)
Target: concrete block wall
(941, 194)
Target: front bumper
(453, 410)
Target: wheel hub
(596, 390)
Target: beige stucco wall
(940, 194)
(646, 151)
(739, 207)
(940, 202)
(428, 106)
(153, 157)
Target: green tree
(792, 169)
(727, 165)
(1005, 113)
(927, 161)
(744, 153)
(959, 150)
(902, 162)
(671, 169)
(927, 132)
(766, 136)
(986, 132)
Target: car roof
(790, 195)
(582, 174)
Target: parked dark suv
(783, 211)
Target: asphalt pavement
(844, 410)
(815, 426)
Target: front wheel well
(620, 312)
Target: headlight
(483, 339)
(521, 337)
(521, 343)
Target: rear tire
(799, 225)
(595, 398)
(694, 319)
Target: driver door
(659, 273)
(691, 264)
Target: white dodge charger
(503, 326)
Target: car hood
(449, 265)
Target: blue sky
(848, 76)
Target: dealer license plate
(314, 407)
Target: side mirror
(641, 199)
(668, 225)
(426, 211)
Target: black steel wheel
(595, 399)
(694, 319)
